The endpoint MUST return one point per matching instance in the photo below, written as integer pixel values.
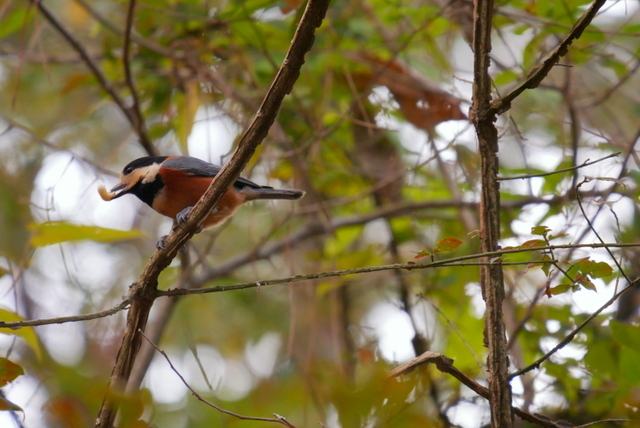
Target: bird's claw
(160, 245)
(183, 216)
(161, 242)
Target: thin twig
(279, 420)
(40, 140)
(135, 37)
(73, 318)
(95, 69)
(453, 262)
(595, 232)
(564, 342)
(136, 113)
(559, 171)
(538, 74)
(338, 273)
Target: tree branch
(62, 320)
(537, 75)
(144, 290)
(452, 262)
(564, 342)
(95, 69)
(136, 114)
(445, 365)
(559, 171)
(279, 419)
(491, 276)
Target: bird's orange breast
(181, 191)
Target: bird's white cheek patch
(150, 173)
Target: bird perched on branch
(172, 185)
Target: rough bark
(491, 277)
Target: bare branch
(538, 74)
(452, 262)
(279, 420)
(564, 342)
(73, 318)
(445, 365)
(338, 273)
(559, 171)
(95, 69)
(136, 113)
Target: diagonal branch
(135, 112)
(538, 74)
(144, 291)
(279, 420)
(445, 365)
(95, 69)
(569, 338)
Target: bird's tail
(271, 193)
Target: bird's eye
(128, 170)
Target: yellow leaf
(55, 232)
(187, 103)
(26, 333)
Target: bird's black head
(140, 177)
(142, 162)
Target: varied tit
(172, 185)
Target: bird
(172, 185)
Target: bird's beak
(119, 187)
(122, 188)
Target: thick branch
(253, 136)
(491, 278)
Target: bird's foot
(160, 245)
(183, 216)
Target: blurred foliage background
(376, 132)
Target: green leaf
(504, 77)
(423, 253)
(594, 269)
(560, 289)
(9, 371)
(14, 22)
(559, 235)
(187, 104)
(584, 280)
(55, 232)
(546, 266)
(447, 245)
(540, 230)
(629, 366)
(26, 333)
(626, 335)
(533, 243)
